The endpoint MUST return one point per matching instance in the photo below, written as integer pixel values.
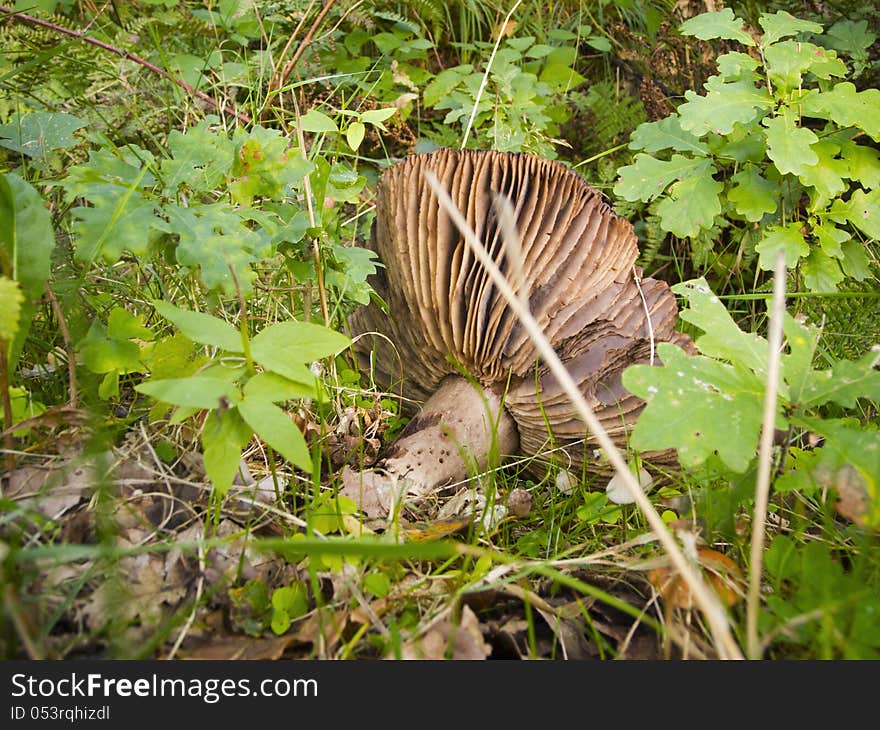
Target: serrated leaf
(202, 328)
(317, 122)
(200, 159)
(845, 106)
(830, 238)
(724, 105)
(855, 261)
(821, 272)
(224, 436)
(719, 24)
(102, 353)
(863, 163)
(666, 134)
(692, 203)
(787, 239)
(721, 337)
(35, 133)
(263, 166)
(826, 176)
(354, 135)
(752, 195)
(736, 66)
(272, 387)
(797, 364)
(274, 427)
(781, 24)
(192, 392)
(862, 210)
(648, 177)
(698, 406)
(844, 383)
(789, 145)
(213, 238)
(10, 308)
(788, 61)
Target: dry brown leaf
(722, 574)
(237, 648)
(465, 639)
(49, 491)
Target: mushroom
(449, 338)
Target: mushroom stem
(456, 429)
(454, 433)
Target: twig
(306, 42)
(485, 78)
(130, 56)
(68, 344)
(706, 600)
(765, 458)
(274, 83)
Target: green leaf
(821, 273)
(736, 66)
(648, 177)
(263, 167)
(288, 603)
(844, 383)
(664, 135)
(317, 122)
(193, 392)
(200, 159)
(377, 116)
(830, 238)
(855, 260)
(34, 134)
(845, 106)
(697, 406)
(719, 24)
(273, 387)
(788, 61)
(102, 353)
(224, 436)
(781, 25)
(862, 210)
(752, 195)
(826, 176)
(725, 105)
(863, 163)
(202, 328)
(354, 135)
(297, 342)
(789, 145)
(787, 239)
(123, 325)
(721, 337)
(276, 428)
(213, 238)
(10, 308)
(797, 364)
(26, 244)
(692, 203)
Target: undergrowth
(182, 213)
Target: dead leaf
(50, 491)
(465, 639)
(237, 648)
(722, 574)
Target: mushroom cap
(446, 316)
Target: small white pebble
(565, 482)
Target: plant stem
(765, 458)
(131, 57)
(68, 344)
(7, 409)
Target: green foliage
(711, 404)
(26, 243)
(240, 400)
(778, 143)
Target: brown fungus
(449, 338)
